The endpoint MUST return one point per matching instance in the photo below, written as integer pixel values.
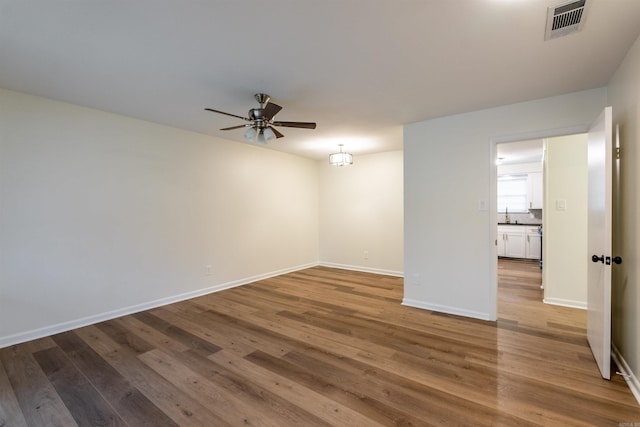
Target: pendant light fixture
(341, 158)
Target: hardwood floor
(318, 347)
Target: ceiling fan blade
(236, 127)
(304, 125)
(271, 110)
(275, 131)
(226, 114)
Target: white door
(600, 158)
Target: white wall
(450, 258)
(361, 210)
(565, 231)
(624, 96)
(101, 214)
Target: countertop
(520, 223)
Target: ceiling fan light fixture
(268, 134)
(341, 158)
(250, 134)
(261, 139)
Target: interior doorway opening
(541, 211)
(520, 202)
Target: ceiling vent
(564, 19)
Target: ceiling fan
(261, 128)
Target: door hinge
(617, 152)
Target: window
(512, 193)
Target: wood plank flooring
(319, 347)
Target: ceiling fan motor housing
(257, 115)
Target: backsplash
(534, 217)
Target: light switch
(561, 205)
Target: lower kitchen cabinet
(511, 241)
(519, 241)
(533, 243)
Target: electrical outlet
(365, 255)
(208, 270)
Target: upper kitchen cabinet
(534, 183)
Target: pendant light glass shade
(341, 158)
(269, 134)
(261, 136)
(250, 134)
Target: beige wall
(624, 96)
(102, 214)
(565, 231)
(361, 210)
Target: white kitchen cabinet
(500, 244)
(511, 241)
(534, 193)
(533, 243)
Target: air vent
(564, 19)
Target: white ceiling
(359, 68)
(529, 151)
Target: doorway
(560, 164)
(519, 205)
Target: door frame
(493, 197)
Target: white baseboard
(627, 373)
(363, 269)
(90, 320)
(566, 303)
(446, 309)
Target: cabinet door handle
(528, 238)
